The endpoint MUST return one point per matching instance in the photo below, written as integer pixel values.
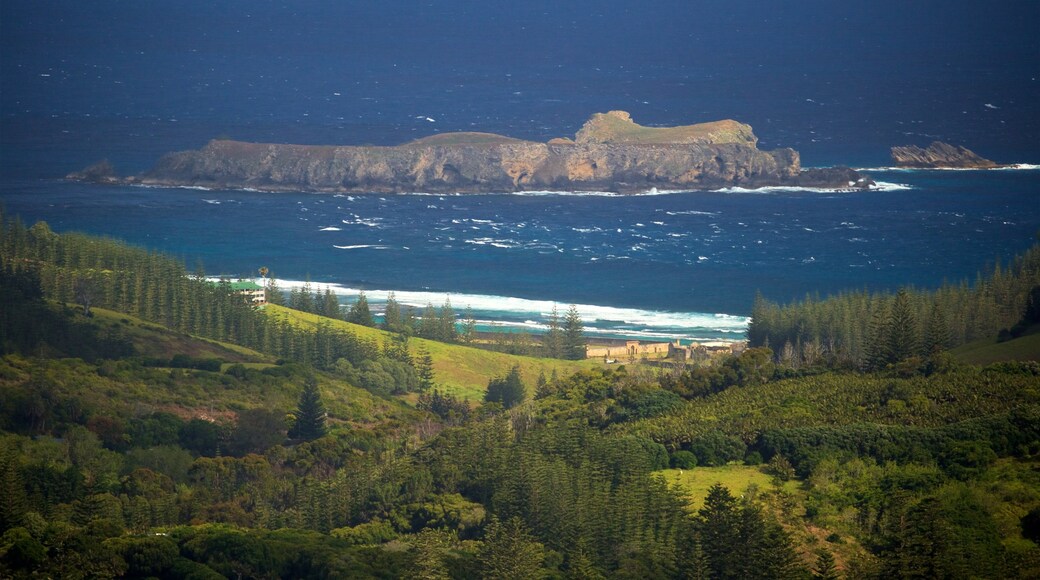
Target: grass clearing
(735, 477)
(461, 370)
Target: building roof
(242, 285)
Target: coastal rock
(100, 172)
(939, 155)
(610, 153)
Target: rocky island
(609, 153)
(939, 155)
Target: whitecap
(878, 186)
(692, 212)
(360, 246)
(331, 229)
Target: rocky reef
(100, 172)
(610, 153)
(939, 155)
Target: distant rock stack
(939, 155)
(611, 152)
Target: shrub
(683, 459)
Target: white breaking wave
(878, 186)
(493, 242)
(360, 221)
(1009, 167)
(1018, 167)
(552, 192)
(692, 212)
(359, 246)
(664, 324)
(331, 229)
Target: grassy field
(461, 370)
(615, 128)
(982, 352)
(696, 482)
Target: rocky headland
(609, 153)
(939, 155)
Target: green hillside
(150, 339)
(988, 350)
(462, 370)
(143, 384)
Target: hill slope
(988, 350)
(462, 370)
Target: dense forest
(153, 424)
(872, 330)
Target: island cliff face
(610, 153)
(939, 155)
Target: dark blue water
(130, 81)
(706, 252)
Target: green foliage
(572, 340)
(858, 329)
(359, 312)
(552, 340)
(738, 541)
(508, 551)
(256, 430)
(509, 390)
(716, 448)
(424, 368)
(753, 366)
(683, 459)
(369, 533)
(449, 408)
(309, 419)
(915, 475)
(833, 400)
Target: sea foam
(533, 314)
(878, 186)
(1009, 167)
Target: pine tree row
(871, 330)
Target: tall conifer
(902, 333)
(936, 332)
(553, 339)
(392, 317)
(310, 413)
(360, 313)
(574, 344)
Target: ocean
(131, 81)
(665, 265)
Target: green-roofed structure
(250, 290)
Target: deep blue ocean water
(840, 83)
(680, 258)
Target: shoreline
(514, 315)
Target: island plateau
(939, 155)
(609, 153)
